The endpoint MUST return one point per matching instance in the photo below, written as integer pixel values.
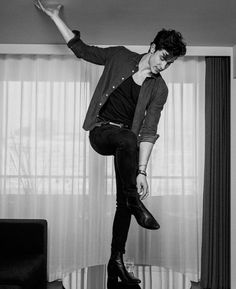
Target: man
(122, 119)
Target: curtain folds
(48, 169)
(215, 272)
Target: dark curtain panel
(215, 261)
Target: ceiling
(129, 22)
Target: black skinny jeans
(122, 143)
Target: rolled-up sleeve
(147, 138)
(148, 132)
(93, 54)
(76, 38)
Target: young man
(122, 119)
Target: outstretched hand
(51, 10)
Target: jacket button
(113, 87)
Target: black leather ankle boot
(141, 214)
(116, 268)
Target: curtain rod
(62, 49)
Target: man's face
(160, 60)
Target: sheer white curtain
(176, 179)
(48, 170)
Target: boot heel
(117, 269)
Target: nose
(163, 65)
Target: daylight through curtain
(48, 169)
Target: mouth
(156, 70)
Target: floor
(58, 285)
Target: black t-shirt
(121, 104)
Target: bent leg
(122, 143)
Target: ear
(153, 48)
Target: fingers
(39, 5)
(53, 9)
(145, 193)
(139, 189)
(36, 4)
(142, 187)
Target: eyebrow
(171, 60)
(165, 56)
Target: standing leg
(122, 217)
(120, 231)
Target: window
(43, 145)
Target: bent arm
(93, 54)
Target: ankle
(115, 254)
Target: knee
(129, 141)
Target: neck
(144, 64)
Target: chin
(155, 71)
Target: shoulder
(125, 52)
(161, 86)
(159, 91)
(124, 58)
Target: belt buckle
(116, 124)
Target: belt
(107, 122)
(121, 125)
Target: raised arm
(93, 54)
(53, 11)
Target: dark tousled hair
(170, 40)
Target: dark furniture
(23, 254)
